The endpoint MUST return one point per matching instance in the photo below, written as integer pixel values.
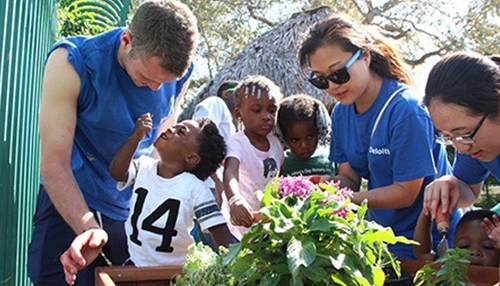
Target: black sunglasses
(340, 76)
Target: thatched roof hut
(274, 55)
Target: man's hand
(83, 250)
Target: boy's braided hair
(211, 149)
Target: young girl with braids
(254, 156)
(380, 132)
(304, 126)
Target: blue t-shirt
(109, 104)
(473, 171)
(401, 149)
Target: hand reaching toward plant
(83, 250)
(316, 179)
(241, 211)
(492, 229)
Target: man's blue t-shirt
(109, 104)
(473, 171)
(401, 149)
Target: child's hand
(492, 229)
(316, 179)
(241, 213)
(143, 125)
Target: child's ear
(192, 159)
(237, 113)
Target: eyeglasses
(340, 76)
(463, 139)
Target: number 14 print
(171, 206)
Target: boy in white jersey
(168, 193)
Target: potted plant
(310, 235)
(450, 269)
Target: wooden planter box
(136, 276)
(162, 275)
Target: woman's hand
(442, 192)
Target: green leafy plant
(204, 267)
(310, 235)
(451, 269)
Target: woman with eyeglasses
(463, 98)
(379, 130)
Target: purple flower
(297, 186)
(340, 196)
(300, 186)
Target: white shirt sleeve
(206, 210)
(212, 107)
(131, 175)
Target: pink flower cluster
(340, 196)
(296, 186)
(301, 187)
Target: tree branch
(423, 58)
(251, 10)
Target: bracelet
(235, 198)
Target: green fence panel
(28, 29)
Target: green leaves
(453, 269)
(317, 246)
(299, 253)
(89, 17)
(377, 233)
(204, 267)
(316, 239)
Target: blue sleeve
(411, 148)
(469, 169)
(337, 155)
(74, 56)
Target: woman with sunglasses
(463, 98)
(379, 130)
